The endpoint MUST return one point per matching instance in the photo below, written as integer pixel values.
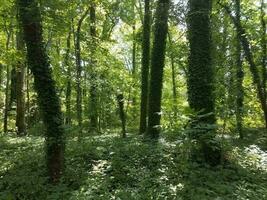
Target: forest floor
(109, 167)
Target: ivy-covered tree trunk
(69, 86)
(239, 80)
(6, 109)
(20, 97)
(264, 50)
(79, 69)
(200, 79)
(93, 74)
(157, 66)
(145, 67)
(7, 98)
(49, 103)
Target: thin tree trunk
(7, 88)
(79, 69)
(93, 76)
(13, 86)
(174, 90)
(49, 102)
(242, 36)
(120, 100)
(239, 79)
(20, 75)
(145, 67)
(264, 49)
(157, 66)
(69, 86)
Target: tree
(93, 75)
(145, 67)
(79, 68)
(201, 75)
(30, 18)
(246, 44)
(157, 66)
(20, 99)
(239, 79)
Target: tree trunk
(13, 87)
(49, 103)
(20, 75)
(239, 80)
(174, 91)
(264, 51)
(69, 87)
(201, 78)
(157, 66)
(120, 100)
(7, 88)
(6, 99)
(242, 36)
(145, 67)
(79, 69)
(93, 75)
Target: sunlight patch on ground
(252, 157)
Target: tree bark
(201, 78)
(79, 69)
(93, 76)
(48, 100)
(157, 66)
(20, 76)
(145, 67)
(120, 100)
(7, 87)
(239, 80)
(69, 86)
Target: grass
(109, 167)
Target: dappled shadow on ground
(109, 167)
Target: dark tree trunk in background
(120, 100)
(200, 80)
(7, 87)
(157, 66)
(20, 97)
(145, 67)
(6, 99)
(13, 87)
(49, 103)
(174, 91)
(239, 80)
(79, 69)
(69, 86)
(264, 50)
(93, 74)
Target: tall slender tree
(157, 66)
(49, 103)
(93, 75)
(145, 67)
(69, 85)
(20, 97)
(248, 54)
(239, 79)
(200, 79)
(79, 68)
